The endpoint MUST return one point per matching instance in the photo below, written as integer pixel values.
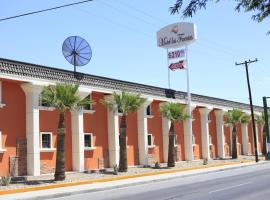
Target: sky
(122, 35)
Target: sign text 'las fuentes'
(176, 35)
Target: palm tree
(174, 112)
(232, 118)
(64, 98)
(124, 103)
(260, 119)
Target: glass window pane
(149, 140)
(46, 141)
(87, 141)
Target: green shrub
(157, 165)
(5, 180)
(115, 169)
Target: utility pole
(251, 105)
(266, 124)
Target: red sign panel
(179, 65)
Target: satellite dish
(76, 51)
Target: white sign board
(176, 35)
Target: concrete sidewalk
(124, 182)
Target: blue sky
(122, 34)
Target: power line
(45, 10)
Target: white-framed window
(1, 143)
(0, 92)
(89, 106)
(88, 141)
(46, 141)
(148, 110)
(119, 110)
(210, 140)
(193, 140)
(43, 106)
(209, 117)
(1, 100)
(175, 140)
(150, 140)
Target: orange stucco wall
(179, 130)
(12, 121)
(96, 124)
(48, 122)
(227, 136)
(239, 139)
(155, 128)
(132, 139)
(250, 138)
(213, 133)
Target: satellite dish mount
(77, 52)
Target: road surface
(242, 184)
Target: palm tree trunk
(234, 143)
(264, 141)
(60, 153)
(123, 145)
(171, 151)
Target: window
(46, 140)
(90, 105)
(209, 117)
(1, 144)
(88, 141)
(150, 140)
(148, 110)
(43, 105)
(193, 140)
(1, 101)
(210, 140)
(119, 110)
(175, 140)
(0, 92)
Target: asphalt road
(242, 184)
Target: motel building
(28, 130)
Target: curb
(101, 180)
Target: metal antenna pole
(251, 105)
(189, 101)
(169, 78)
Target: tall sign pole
(251, 106)
(179, 35)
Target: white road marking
(234, 186)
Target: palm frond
(174, 111)
(63, 97)
(124, 102)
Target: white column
(244, 130)
(143, 134)
(113, 136)
(204, 112)
(220, 133)
(77, 140)
(77, 134)
(166, 123)
(188, 139)
(32, 93)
